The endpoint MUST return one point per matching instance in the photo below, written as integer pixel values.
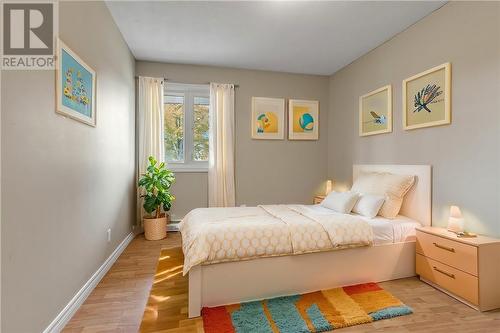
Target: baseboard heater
(173, 226)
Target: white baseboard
(70, 309)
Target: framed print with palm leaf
(375, 112)
(426, 98)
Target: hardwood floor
(118, 302)
(121, 299)
(167, 308)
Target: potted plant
(155, 184)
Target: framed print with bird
(268, 118)
(426, 98)
(375, 112)
(303, 119)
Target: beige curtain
(151, 136)
(150, 126)
(221, 191)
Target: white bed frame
(239, 281)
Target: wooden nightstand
(317, 199)
(465, 268)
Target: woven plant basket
(155, 229)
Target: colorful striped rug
(313, 312)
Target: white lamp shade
(329, 185)
(455, 221)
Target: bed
(391, 254)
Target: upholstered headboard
(418, 201)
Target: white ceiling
(296, 37)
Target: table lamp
(329, 185)
(455, 221)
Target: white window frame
(189, 91)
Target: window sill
(188, 170)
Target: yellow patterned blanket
(211, 235)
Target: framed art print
(375, 112)
(303, 119)
(268, 118)
(75, 86)
(426, 98)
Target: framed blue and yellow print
(268, 118)
(75, 86)
(303, 119)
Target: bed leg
(194, 292)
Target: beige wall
(465, 154)
(64, 183)
(190, 190)
(267, 171)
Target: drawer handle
(443, 272)
(444, 247)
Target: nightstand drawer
(458, 255)
(458, 282)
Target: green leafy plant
(155, 183)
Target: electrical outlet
(109, 235)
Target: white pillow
(392, 186)
(341, 202)
(368, 205)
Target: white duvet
(211, 235)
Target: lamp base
(466, 234)
(455, 225)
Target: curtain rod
(165, 79)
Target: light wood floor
(121, 299)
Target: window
(186, 126)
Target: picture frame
(375, 112)
(427, 98)
(75, 86)
(303, 119)
(268, 118)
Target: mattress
(385, 231)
